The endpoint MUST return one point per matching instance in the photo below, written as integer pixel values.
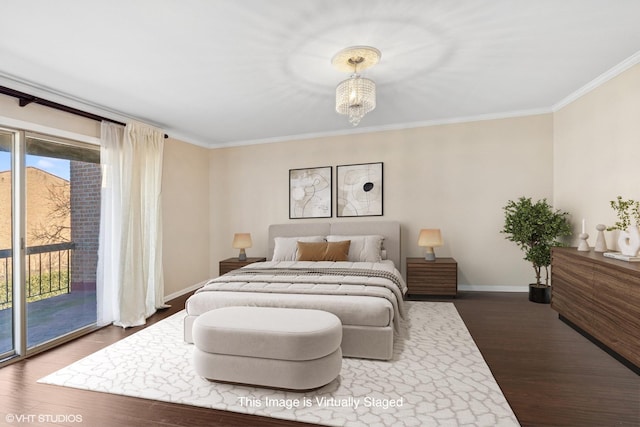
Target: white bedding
(346, 290)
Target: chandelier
(356, 96)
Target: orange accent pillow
(323, 251)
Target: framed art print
(359, 190)
(310, 193)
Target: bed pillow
(366, 248)
(323, 251)
(286, 248)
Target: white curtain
(130, 281)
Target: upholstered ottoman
(275, 347)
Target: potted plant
(629, 235)
(535, 228)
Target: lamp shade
(242, 240)
(430, 237)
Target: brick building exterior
(86, 181)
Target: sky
(58, 167)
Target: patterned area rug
(437, 378)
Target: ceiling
(229, 72)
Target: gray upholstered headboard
(389, 229)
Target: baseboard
(493, 288)
(182, 292)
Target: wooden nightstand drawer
(233, 263)
(439, 277)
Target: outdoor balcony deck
(52, 317)
(55, 305)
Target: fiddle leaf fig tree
(535, 228)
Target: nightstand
(229, 264)
(430, 278)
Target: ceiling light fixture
(356, 96)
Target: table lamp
(430, 238)
(242, 241)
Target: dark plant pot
(540, 293)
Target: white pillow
(286, 248)
(363, 248)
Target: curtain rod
(26, 99)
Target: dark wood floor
(550, 374)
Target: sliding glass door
(50, 206)
(62, 228)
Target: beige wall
(455, 177)
(597, 152)
(185, 192)
(185, 198)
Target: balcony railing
(48, 271)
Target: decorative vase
(629, 241)
(601, 243)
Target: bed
(365, 291)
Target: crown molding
(53, 95)
(59, 97)
(598, 81)
(383, 128)
(183, 137)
